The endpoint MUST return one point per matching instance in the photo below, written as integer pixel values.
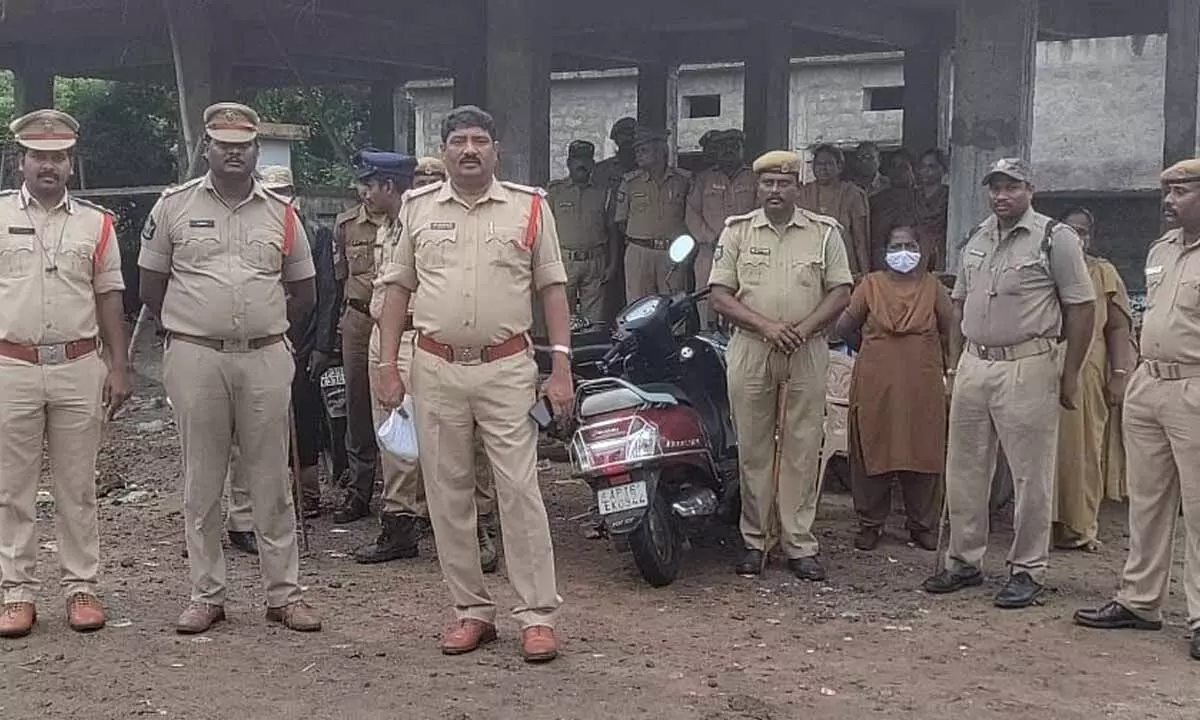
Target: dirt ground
(712, 646)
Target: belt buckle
(1172, 372)
(51, 354)
(467, 355)
(235, 346)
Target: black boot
(243, 540)
(353, 507)
(489, 559)
(398, 535)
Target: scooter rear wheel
(657, 544)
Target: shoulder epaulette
(970, 234)
(683, 172)
(92, 205)
(632, 174)
(425, 190)
(277, 197)
(558, 183)
(168, 191)
(529, 189)
(346, 215)
(735, 219)
(823, 219)
(6, 193)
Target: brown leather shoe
(198, 617)
(85, 613)
(538, 644)
(467, 635)
(17, 619)
(298, 616)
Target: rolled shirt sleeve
(400, 267)
(106, 271)
(725, 259)
(837, 262)
(1069, 268)
(157, 248)
(298, 265)
(548, 266)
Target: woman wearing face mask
(897, 423)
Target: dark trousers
(362, 452)
(307, 411)
(873, 494)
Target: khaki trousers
(585, 286)
(403, 489)
(239, 514)
(61, 406)
(221, 399)
(362, 451)
(646, 273)
(1009, 404)
(756, 371)
(451, 401)
(1162, 446)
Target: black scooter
(655, 437)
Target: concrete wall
(1097, 116)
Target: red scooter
(654, 437)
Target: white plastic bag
(398, 433)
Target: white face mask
(903, 261)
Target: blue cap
(369, 163)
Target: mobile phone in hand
(542, 414)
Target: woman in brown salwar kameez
(1084, 463)
(897, 423)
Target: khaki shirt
(53, 264)
(782, 276)
(386, 238)
(468, 267)
(715, 196)
(650, 210)
(1171, 323)
(579, 214)
(227, 264)
(356, 252)
(1009, 294)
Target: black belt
(359, 305)
(579, 255)
(651, 243)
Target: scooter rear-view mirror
(681, 249)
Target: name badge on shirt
(639, 194)
(718, 187)
(1150, 271)
(566, 204)
(976, 253)
(441, 226)
(202, 223)
(760, 251)
(18, 230)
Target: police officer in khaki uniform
(60, 296)
(1022, 285)
(1161, 417)
(650, 208)
(354, 263)
(781, 276)
(225, 265)
(404, 515)
(578, 206)
(470, 254)
(608, 175)
(730, 188)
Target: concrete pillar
(1182, 80)
(518, 71)
(994, 57)
(470, 67)
(203, 65)
(768, 89)
(383, 116)
(32, 90)
(652, 91)
(922, 83)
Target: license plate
(333, 377)
(622, 497)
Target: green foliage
(319, 160)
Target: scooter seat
(669, 390)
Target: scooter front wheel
(657, 544)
